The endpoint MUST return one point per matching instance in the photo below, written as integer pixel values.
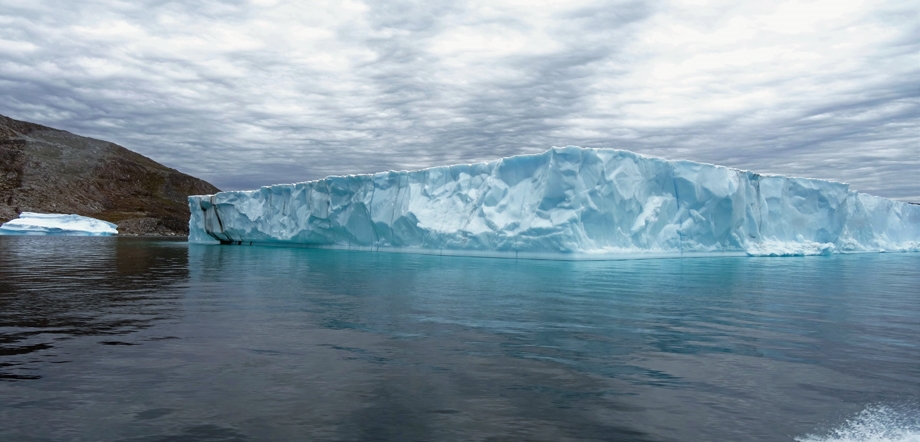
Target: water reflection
(165, 341)
(606, 350)
(55, 288)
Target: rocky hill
(54, 171)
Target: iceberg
(30, 223)
(566, 203)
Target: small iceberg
(30, 223)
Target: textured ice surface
(564, 203)
(30, 223)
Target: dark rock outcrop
(54, 171)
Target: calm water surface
(142, 339)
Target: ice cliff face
(567, 203)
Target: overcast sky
(251, 93)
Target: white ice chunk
(564, 203)
(30, 223)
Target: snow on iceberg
(568, 203)
(30, 223)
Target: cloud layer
(245, 94)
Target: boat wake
(876, 423)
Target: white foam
(876, 423)
(31, 223)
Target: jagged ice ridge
(566, 203)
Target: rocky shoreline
(48, 170)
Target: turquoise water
(142, 339)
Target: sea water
(148, 339)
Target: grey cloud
(204, 88)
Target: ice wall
(31, 223)
(564, 203)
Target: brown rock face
(53, 171)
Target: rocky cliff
(54, 171)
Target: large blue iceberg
(566, 203)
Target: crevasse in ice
(31, 223)
(564, 203)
